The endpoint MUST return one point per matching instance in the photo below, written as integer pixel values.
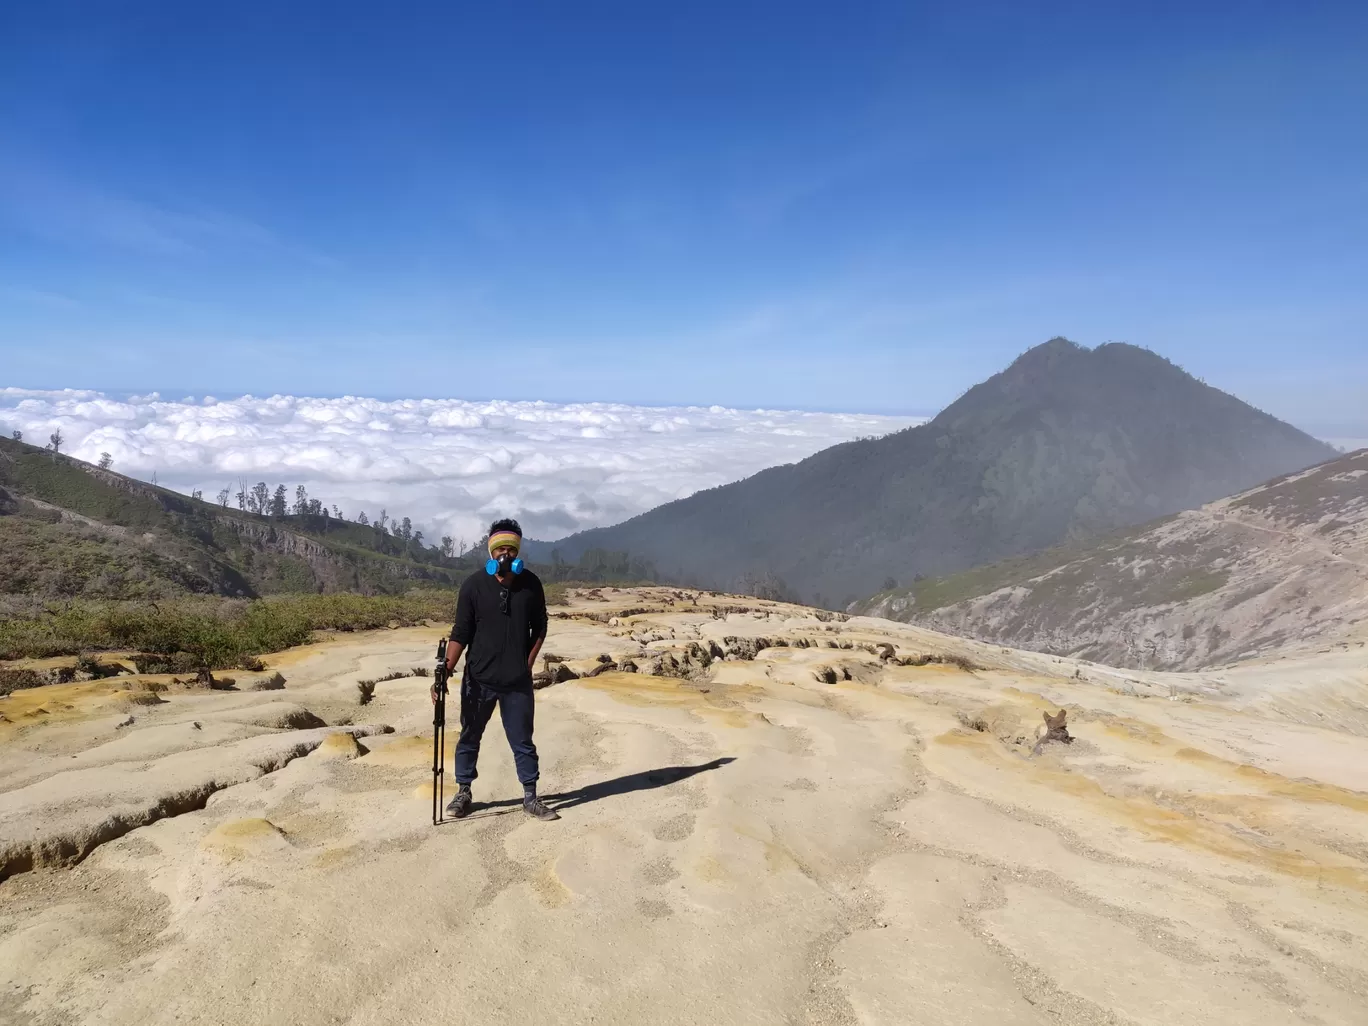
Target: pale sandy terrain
(766, 843)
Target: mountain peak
(1062, 375)
(1065, 443)
(1055, 347)
(1043, 359)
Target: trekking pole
(439, 691)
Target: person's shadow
(642, 781)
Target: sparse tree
(260, 501)
(383, 519)
(418, 538)
(279, 507)
(405, 529)
(301, 503)
(197, 493)
(448, 544)
(224, 496)
(106, 461)
(18, 436)
(315, 508)
(56, 440)
(766, 585)
(337, 513)
(361, 519)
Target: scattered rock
(558, 673)
(744, 648)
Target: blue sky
(859, 207)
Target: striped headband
(498, 541)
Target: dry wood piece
(1055, 730)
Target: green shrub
(202, 632)
(14, 680)
(175, 662)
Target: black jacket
(499, 632)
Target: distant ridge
(1064, 444)
(1279, 566)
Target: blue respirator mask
(504, 565)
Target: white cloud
(449, 464)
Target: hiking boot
(459, 806)
(538, 809)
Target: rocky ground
(807, 820)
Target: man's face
(504, 550)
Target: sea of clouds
(449, 464)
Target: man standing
(500, 624)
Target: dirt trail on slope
(814, 835)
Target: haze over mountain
(1066, 443)
(1281, 566)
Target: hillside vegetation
(1279, 565)
(1065, 444)
(70, 529)
(204, 632)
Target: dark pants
(515, 709)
